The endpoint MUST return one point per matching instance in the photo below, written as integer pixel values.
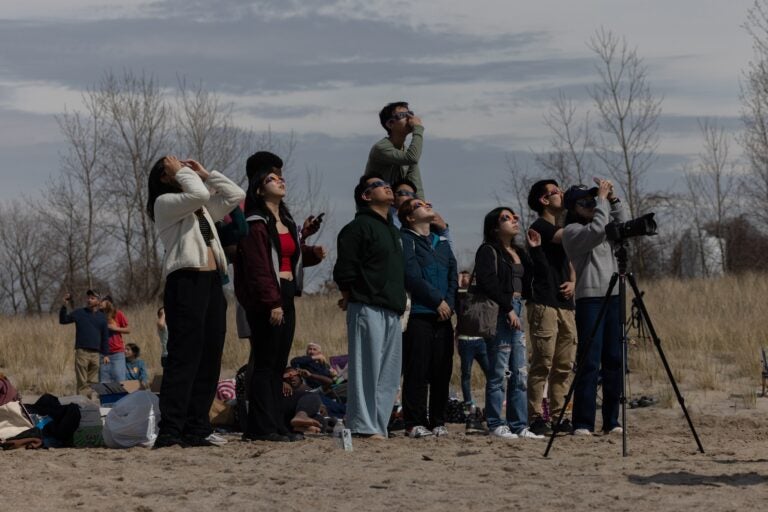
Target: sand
(663, 471)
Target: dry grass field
(711, 332)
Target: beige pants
(86, 369)
(552, 336)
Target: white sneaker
(419, 431)
(616, 430)
(216, 439)
(503, 432)
(582, 432)
(527, 434)
(442, 430)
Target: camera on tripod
(641, 226)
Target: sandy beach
(663, 471)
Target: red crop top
(287, 250)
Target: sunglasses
(405, 193)
(421, 205)
(376, 184)
(270, 179)
(586, 202)
(505, 218)
(402, 115)
(551, 193)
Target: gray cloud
(251, 53)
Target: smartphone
(319, 217)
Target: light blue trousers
(375, 361)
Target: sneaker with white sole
(615, 430)
(527, 434)
(503, 432)
(582, 432)
(419, 431)
(440, 431)
(216, 439)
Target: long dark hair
(157, 187)
(255, 204)
(491, 225)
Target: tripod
(621, 277)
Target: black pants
(427, 367)
(196, 314)
(300, 401)
(270, 347)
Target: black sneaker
(197, 441)
(565, 426)
(166, 441)
(540, 427)
(475, 426)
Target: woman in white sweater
(185, 200)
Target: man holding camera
(591, 253)
(91, 337)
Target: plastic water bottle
(342, 436)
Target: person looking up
(389, 158)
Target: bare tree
(710, 189)
(628, 115)
(77, 193)
(570, 143)
(754, 99)
(206, 132)
(138, 134)
(518, 182)
(24, 246)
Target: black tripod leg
(579, 365)
(657, 342)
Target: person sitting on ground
(301, 407)
(135, 369)
(316, 364)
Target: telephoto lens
(641, 226)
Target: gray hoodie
(591, 253)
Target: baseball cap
(576, 192)
(92, 293)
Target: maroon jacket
(257, 286)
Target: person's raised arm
(387, 153)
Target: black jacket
(494, 278)
(369, 263)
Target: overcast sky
(481, 74)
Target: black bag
(241, 393)
(479, 314)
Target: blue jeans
(471, 350)
(114, 370)
(605, 352)
(507, 360)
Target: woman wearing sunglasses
(268, 275)
(591, 254)
(432, 280)
(500, 270)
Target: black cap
(92, 293)
(108, 297)
(577, 192)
